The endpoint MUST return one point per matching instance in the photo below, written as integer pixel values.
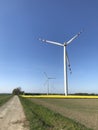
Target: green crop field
(43, 117)
(4, 98)
(84, 111)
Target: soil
(84, 111)
(12, 116)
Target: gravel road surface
(12, 116)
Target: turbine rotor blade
(68, 63)
(51, 42)
(51, 78)
(66, 43)
(45, 75)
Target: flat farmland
(84, 111)
(4, 98)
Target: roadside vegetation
(42, 118)
(4, 98)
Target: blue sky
(24, 59)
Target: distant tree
(17, 91)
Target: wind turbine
(66, 59)
(48, 78)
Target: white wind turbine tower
(48, 78)
(66, 60)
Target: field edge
(45, 124)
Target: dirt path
(12, 116)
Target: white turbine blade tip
(80, 32)
(39, 39)
(42, 40)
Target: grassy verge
(4, 98)
(41, 118)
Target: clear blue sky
(24, 59)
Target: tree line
(17, 91)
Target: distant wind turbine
(48, 78)
(66, 59)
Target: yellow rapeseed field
(60, 96)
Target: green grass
(4, 98)
(42, 118)
(84, 111)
